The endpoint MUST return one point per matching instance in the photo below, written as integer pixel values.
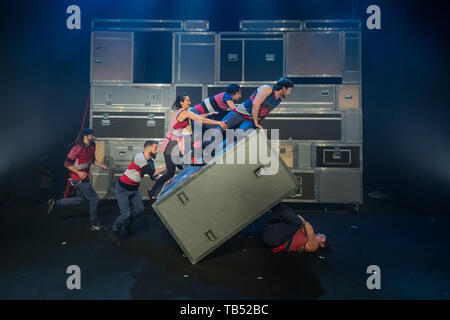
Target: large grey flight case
(205, 206)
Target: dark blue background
(45, 83)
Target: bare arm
(230, 104)
(301, 218)
(190, 115)
(81, 174)
(205, 115)
(99, 164)
(260, 97)
(312, 244)
(159, 171)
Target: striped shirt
(266, 107)
(81, 157)
(137, 168)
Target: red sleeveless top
(182, 124)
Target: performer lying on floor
(290, 232)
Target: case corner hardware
(269, 57)
(151, 122)
(233, 57)
(182, 198)
(260, 171)
(105, 121)
(108, 98)
(337, 154)
(210, 235)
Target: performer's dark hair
(79, 140)
(149, 143)
(283, 82)
(180, 97)
(233, 89)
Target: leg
(122, 196)
(233, 120)
(137, 204)
(165, 177)
(287, 215)
(90, 194)
(197, 135)
(278, 233)
(247, 125)
(78, 199)
(137, 207)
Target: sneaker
(97, 227)
(115, 238)
(51, 206)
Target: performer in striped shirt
(78, 161)
(217, 107)
(126, 189)
(214, 108)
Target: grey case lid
(204, 207)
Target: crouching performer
(127, 189)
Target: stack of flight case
(134, 83)
(320, 123)
(123, 114)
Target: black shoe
(51, 206)
(151, 197)
(115, 238)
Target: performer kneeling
(214, 108)
(173, 142)
(250, 113)
(126, 189)
(290, 232)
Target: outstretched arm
(101, 165)
(205, 115)
(190, 115)
(159, 171)
(230, 104)
(260, 97)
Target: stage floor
(410, 249)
